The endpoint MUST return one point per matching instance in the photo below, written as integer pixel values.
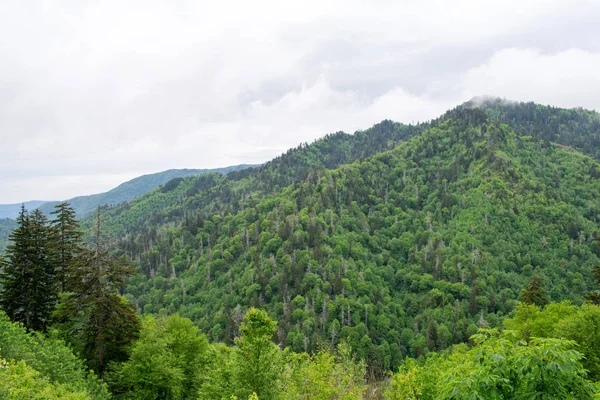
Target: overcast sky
(95, 93)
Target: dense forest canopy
(454, 253)
(434, 234)
(576, 127)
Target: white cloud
(93, 91)
(567, 79)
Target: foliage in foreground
(19, 381)
(168, 361)
(36, 366)
(498, 367)
(562, 321)
(173, 360)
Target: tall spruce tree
(29, 286)
(15, 269)
(102, 323)
(67, 241)
(535, 292)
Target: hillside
(434, 233)
(576, 127)
(6, 227)
(12, 210)
(131, 189)
(212, 193)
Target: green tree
(535, 292)
(562, 320)
(66, 240)
(19, 381)
(167, 362)
(219, 380)
(29, 288)
(498, 367)
(324, 376)
(101, 322)
(50, 357)
(258, 367)
(594, 296)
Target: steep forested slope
(131, 189)
(212, 193)
(576, 127)
(406, 251)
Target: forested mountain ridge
(216, 193)
(407, 251)
(576, 127)
(129, 190)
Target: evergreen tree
(67, 240)
(102, 323)
(12, 298)
(29, 289)
(535, 293)
(594, 296)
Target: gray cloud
(93, 93)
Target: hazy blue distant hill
(131, 189)
(6, 227)
(12, 210)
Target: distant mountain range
(12, 210)
(123, 193)
(6, 227)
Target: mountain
(6, 227)
(12, 210)
(212, 192)
(131, 189)
(399, 239)
(576, 128)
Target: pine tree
(535, 293)
(29, 287)
(15, 268)
(594, 296)
(102, 323)
(67, 240)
